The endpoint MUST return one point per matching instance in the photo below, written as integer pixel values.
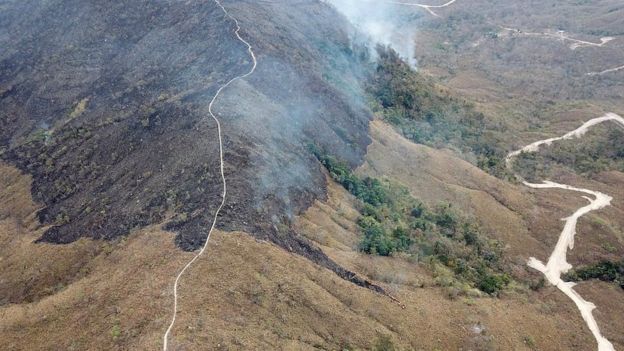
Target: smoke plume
(383, 23)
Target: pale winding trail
(423, 6)
(557, 263)
(576, 43)
(606, 71)
(224, 193)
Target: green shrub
(116, 331)
(418, 211)
(375, 240)
(402, 239)
(446, 218)
(384, 343)
(607, 271)
(493, 283)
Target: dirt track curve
(557, 263)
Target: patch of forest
(393, 222)
(427, 114)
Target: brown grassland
(246, 294)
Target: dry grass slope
(251, 295)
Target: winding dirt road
(605, 71)
(423, 6)
(557, 263)
(575, 43)
(224, 192)
(426, 7)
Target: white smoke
(383, 23)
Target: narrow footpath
(224, 191)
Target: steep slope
(106, 113)
(251, 294)
(106, 107)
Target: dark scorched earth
(105, 104)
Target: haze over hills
(371, 203)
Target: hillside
(243, 300)
(529, 62)
(116, 135)
(371, 199)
